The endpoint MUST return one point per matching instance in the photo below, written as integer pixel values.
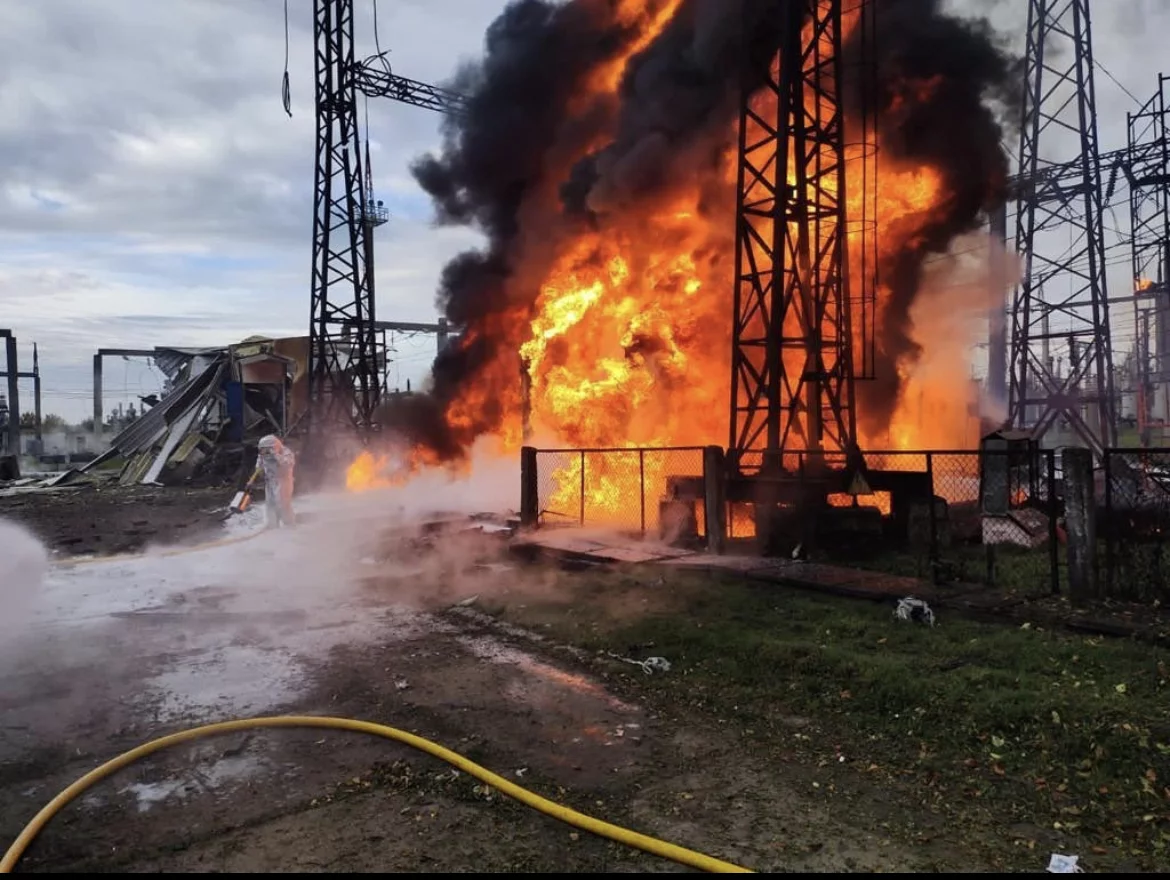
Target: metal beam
(127, 352)
(377, 82)
(12, 367)
(411, 327)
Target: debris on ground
(914, 610)
(1062, 864)
(649, 666)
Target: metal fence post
(1053, 532)
(933, 554)
(1080, 518)
(642, 488)
(1107, 461)
(529, 488)
(715, 499)
(582, 519)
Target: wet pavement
(109, 652)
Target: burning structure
(599, 151)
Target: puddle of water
(497, 652)
(232, 680)
(195, 779)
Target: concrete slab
(707, 562)
(600, 546)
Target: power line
(1116, 82)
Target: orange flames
(367, 472)
(629, 340)
(387, 470)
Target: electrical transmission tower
(1148, 172)
(1062, 296)
(792, 356)
(344, 355)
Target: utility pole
(13, 375)
(1060, 236)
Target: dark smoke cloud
(935, 77)
(517, 165)
(492, 164)
(679, 100)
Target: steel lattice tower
(1147, 168)
(344, 351)
(343, 355)
(792, 371)
(1062, 296)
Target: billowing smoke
(542, 154)
(936, 79)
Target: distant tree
(86, 424)
(50, 422)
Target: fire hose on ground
(607, 830)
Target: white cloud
(153, 191)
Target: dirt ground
(105, 518)
(345, 616)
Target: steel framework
(1148, 173)
(792, 371)
(344, 369)
(1062, 295)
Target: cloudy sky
(154, 192)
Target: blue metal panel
(234, 394)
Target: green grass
(1028, 572)
(1062, 731)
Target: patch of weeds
(1014, 569)
(1068, 733)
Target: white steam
(23, 565)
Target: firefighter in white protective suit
(278, 463)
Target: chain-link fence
(977, 517)
(655, 491)
(997, 518)
(1133, 523)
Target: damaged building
(217, 404)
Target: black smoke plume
(518, 165)
(936, 78)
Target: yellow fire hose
(616, 833)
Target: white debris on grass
(649, 666)
(915, 610)
(1062, 864)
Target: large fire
(628, 344)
